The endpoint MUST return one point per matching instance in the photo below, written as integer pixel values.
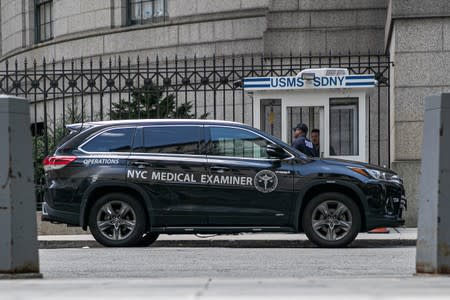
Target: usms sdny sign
(319, 82)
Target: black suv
(129, 181)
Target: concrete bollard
(19, 256)
(433, 241)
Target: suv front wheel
(331, 220)
(117, 220)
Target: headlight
(376, 174)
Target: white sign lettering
(100, 161)
(137, 174)
(190, 178)
(319, 82)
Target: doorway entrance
(312, 116)
(344, 127)
(271, 116)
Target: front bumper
(387, 204)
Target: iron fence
(62, 92)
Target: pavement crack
(203, 290)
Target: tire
(117, 220)
(331, 230)
(148, 239)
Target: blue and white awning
(319, 82)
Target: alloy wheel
(331, 220)
(116, 220)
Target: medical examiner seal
(266, 181)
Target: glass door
(344, 139)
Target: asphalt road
(227, 262)
(227, 273)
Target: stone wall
(205, 27)
(80, 16)
(418, 37)
(302, 26)
(98, 28)
(16, 24)
(183, 8)
(11, 16)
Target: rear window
(71, 140)
(114, 140)
(67, 137)
(171, 140)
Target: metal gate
(62, 92)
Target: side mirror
(276, 151)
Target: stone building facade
(418, 40)
(416, 35)
(86, 28)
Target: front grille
(394, 200)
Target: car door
(246, 187)
(167, 161)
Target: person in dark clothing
(300, 142)
(315, 139)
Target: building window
(146, 11)
(44, 20)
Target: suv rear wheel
(117, 220)
(331, 220)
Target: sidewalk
(396, 238)
(370, 288)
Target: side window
(236, 142)
(172, 139)
(114, 140)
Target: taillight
(57, 162)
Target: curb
(360, 243)
(18, 276)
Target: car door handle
(141, 164)
(219, 169)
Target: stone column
(433, 241)
(18, 241)
(418, 40)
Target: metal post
(433, 243)
(18, 243)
